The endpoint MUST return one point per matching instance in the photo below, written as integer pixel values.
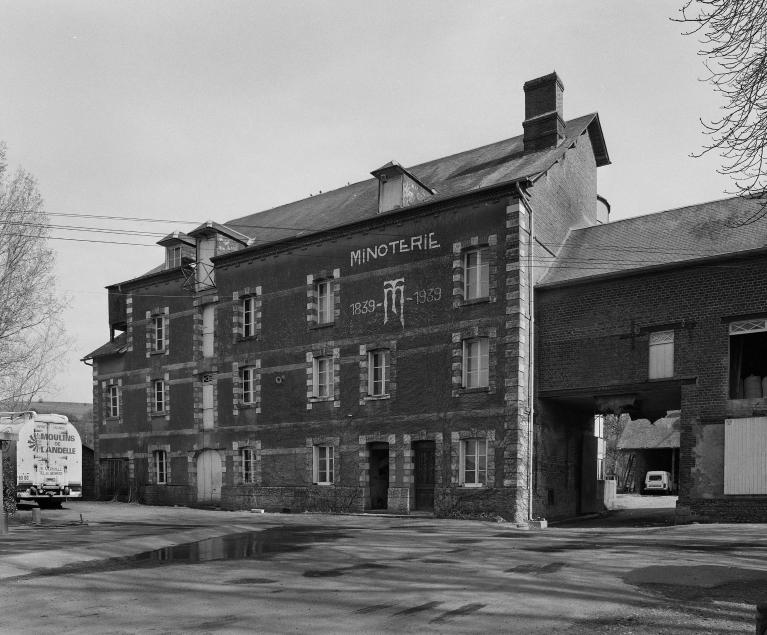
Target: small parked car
(658, 481)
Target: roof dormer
(213, 239)
(179, 249)
(399, 188)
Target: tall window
(158, 326)
(159, 395)
(249, 316)
(324, 292)
(378, 373)
(323, 464)
(248, 376)
(208, 411)
(248, 460)
(114, 401)
(476, 363)
(661, 354)
(173, 257)
(748, 358)
(323, 377)
(208, 330)
(161, 466)
(599, 433)
(473, 462)
(476, 274)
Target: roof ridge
(663, 211)
(407, 167)
(299, 200)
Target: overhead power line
(84, 240)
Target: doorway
(423, 459)
(379, 475)
(115, 483)
(208, 477)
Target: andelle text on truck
(47, 454)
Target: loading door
(208, 477)
(424, 474)
(114, 475)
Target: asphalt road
(128, 568)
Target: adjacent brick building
(372, 347)
(668, 312)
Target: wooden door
(379, 476)
(113, 475)
(208, 477)
(423, 458)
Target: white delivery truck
(48, 457)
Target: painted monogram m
(394, 299)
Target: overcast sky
(188, 111)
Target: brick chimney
(544, 124)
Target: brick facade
(595, 335)
(395, 281)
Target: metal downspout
(530, 352)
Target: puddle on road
(251, 545)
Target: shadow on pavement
(646, 517)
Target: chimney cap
(545, 79)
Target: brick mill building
(379, 346)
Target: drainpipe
(523, 197)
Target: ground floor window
(473, 462)
(248, 459)
(323, 464)
(161, 467)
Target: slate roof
(716, 228)
(113, 347)
(640, 434)
(473, 170)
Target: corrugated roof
(716, 228)
(640, 434)
(490, 165)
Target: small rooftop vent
(399, 188)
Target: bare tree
(31, 331)
(733, 35)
